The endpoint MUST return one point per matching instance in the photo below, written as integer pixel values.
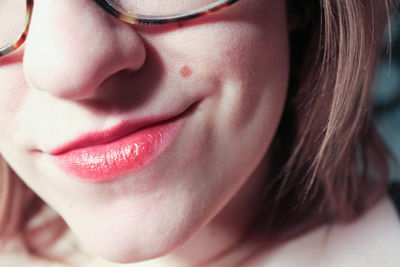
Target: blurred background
(387, 93)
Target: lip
(105, 155)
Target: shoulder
(13, 253)
(370, 241)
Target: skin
(234, 65)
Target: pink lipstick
(104, 156)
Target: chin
(129, 253)
(129, 248)
(128, 234)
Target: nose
(74, 46)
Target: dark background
(387, 93)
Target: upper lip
(116, 132)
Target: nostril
(70, 53)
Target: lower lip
(105, 162)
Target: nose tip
(71, 50)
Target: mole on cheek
(185, 71)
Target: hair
(330, 163)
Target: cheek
(13, 91)
(252, 64)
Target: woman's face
(138, 136)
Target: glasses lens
(12, 20)
(160, 7)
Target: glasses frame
(130, 18)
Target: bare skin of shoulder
(372, 240)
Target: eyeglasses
(15, 15)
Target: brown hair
(330, 162)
